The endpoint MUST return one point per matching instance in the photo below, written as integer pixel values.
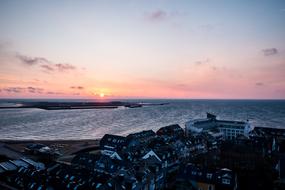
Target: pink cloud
(157, 15)
(45, 64)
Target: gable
(149, 154)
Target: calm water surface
(91, 124)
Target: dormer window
(209, 176)
(226, 181)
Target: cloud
(36, 62)
(259, 84)
(157, 15)
(13, 89)
(31, 60)
(77, 87)
(45, 64)
(202, 62)
(10, 91)
(64, 67)
(54, 93)
(29, 89)
(47, 67)
(60, 67)
(35, 90)
(270, 51)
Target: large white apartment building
(229, 129)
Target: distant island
(79, 105)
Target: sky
(190, 49)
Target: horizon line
(111, 99)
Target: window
(101, 165)
(209, 176)
(226, 181)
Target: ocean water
(92, 124)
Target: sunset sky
(233, 49)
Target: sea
(38, 124)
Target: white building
(230, 129)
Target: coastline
(78, 105)
(15, 148)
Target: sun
(102, 95)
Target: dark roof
(142, 134)
(109, 165)
(203, 121)
(114, 141)
(174, 129)
(233, 122)
(85, 159)
(35, 146)
(166, 153)
(156, 142)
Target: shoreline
(79, 105)
(46, 140)
(14, 149)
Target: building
(112, 142)
(173, 131)
(208, 179)
(142, 136)
(229, 129)
(136, 140)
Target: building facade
(229, 129)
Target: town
(206, 154)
